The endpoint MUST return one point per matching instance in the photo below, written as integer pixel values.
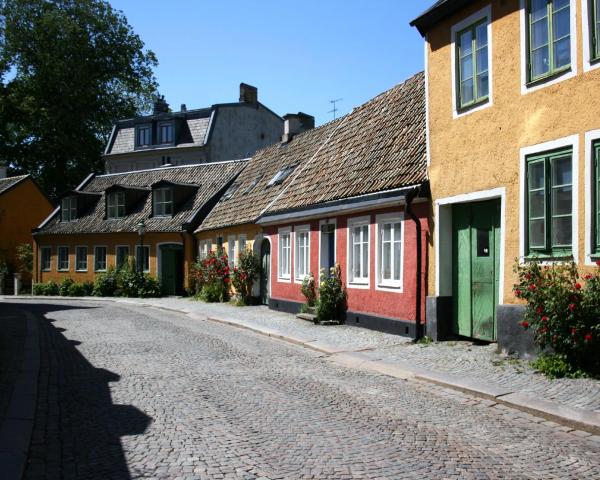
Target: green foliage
(244, 274)
(332, 295)
(25, 258)
(210, 275)
(68, 70)
(106, 284)
(76, 290)
(563, 311)
(424, 341)
(309, 290)
(133, 283)
(556, 366)
(65, 286)
(304, 308)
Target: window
(230, 191)
(596, 205)
(220, 242)
(253, 184)
(595, 27)
(165, 133)
(115, 205)
(165, 160)
(204, 247)
(473, 71)
(389, 251)
(163, 202)
(68, 209)
(302, 236)
(281, 175)
(241, 243)
(231, 253)
(142, 257)
(81, 259)
(99, 259)
(63, 259)
(122, 254)
(549, 37)
(143, 136)
(359, 252)
(46, 259)
(285, 253)
(550, 204)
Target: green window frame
(596, 205)
(595, 29)
(549, 38)
(550, 204)
(472, 65)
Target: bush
(564, 313)
(309, 290)
(212, 293)
(211, 276)
(106, 284)
(65, 286)
(332, 295)
(244, 275)
(25, 258)
(88, 288)
(76, 290)
(52, 289)
(556, 366)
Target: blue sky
(299, 54)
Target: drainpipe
(409, 199)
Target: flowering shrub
(211, 276)
(563, 310)
(244, 275)
(332, 295)
(309, 290)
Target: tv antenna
(335, 109)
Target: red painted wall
(383, 303)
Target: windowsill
(101, 270)
(47, 270)
(473, 106)
(549, 257)
(361, 284)
(390, 286)
(548, 78)
(285, 279)
(63, 270)
(81, 270)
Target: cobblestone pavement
(12, 340)
(136, 392)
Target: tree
(68, 70)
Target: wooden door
(171, 277)
(265, 271)
(476, 261)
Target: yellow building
(512, 150)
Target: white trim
(49, 269)
(328, 221)
(363, 283)
(244, 237)
(573, 142)
(288, 277)
(524, 51)
(586, 23)
(484, 13)
(105, 258)
(87, 250)
(396, 286)
(128, 254)
(159, 257)
(137, 245)
(466, 198)
(301, 229)
(427, 106)
(68, 269)
(590, 138)
(205, 242)
(232, 260)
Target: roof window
(281, 175)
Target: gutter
(410, 197)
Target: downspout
(409, 199)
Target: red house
(360, 199)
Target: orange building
(23, 206)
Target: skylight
(230, 191)
(281, 175)
(253, 184)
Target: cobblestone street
(129, 391)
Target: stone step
(309, 317)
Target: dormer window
(165, 133)
(115, 205)
(68, 209)
(162, 202)
(143, 136)
(281, 175)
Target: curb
(572, 417)
(16, 429)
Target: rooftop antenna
(335, 109)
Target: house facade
(23, 205)
(512, 152)
(148, 216)
(222, 132)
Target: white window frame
(165, 204)
(381, 284)
(128, 247)
(333, 222)
(42, 250)
(242, 240)
(116, 205)
(285, 277)
(566, 142)
(58, 259)
(105, 258)
(301, 229)
(361, 282)
(137, 247)
(77, 269)
(587, 16)
(204, 246)
(484, 14)
(590, 138)
(524, 51)
(72, 209)
(232, 250)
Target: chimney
(160, 105)
(295, 123)
(183, 107)
(248, 94)
(3, 169)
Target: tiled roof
(9, 182)
(379, 146)
(210, 178)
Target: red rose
(226, 280)
(598, 262)
(525, 324)
(571, 306)
(532, 287)
(544, 319)
(578, 286)
(539, 310)
(588, 337)
(528, 276)
(573, 330)
(518, 293)
(543, 330)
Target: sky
(299, 54)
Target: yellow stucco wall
(481, 150)
(249, 229)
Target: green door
(265, 271)
(476, 265)
(171, 278)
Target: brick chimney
(3, 170)
(295, 123)
(248, 94)
(160, 105)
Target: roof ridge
(163, 168)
